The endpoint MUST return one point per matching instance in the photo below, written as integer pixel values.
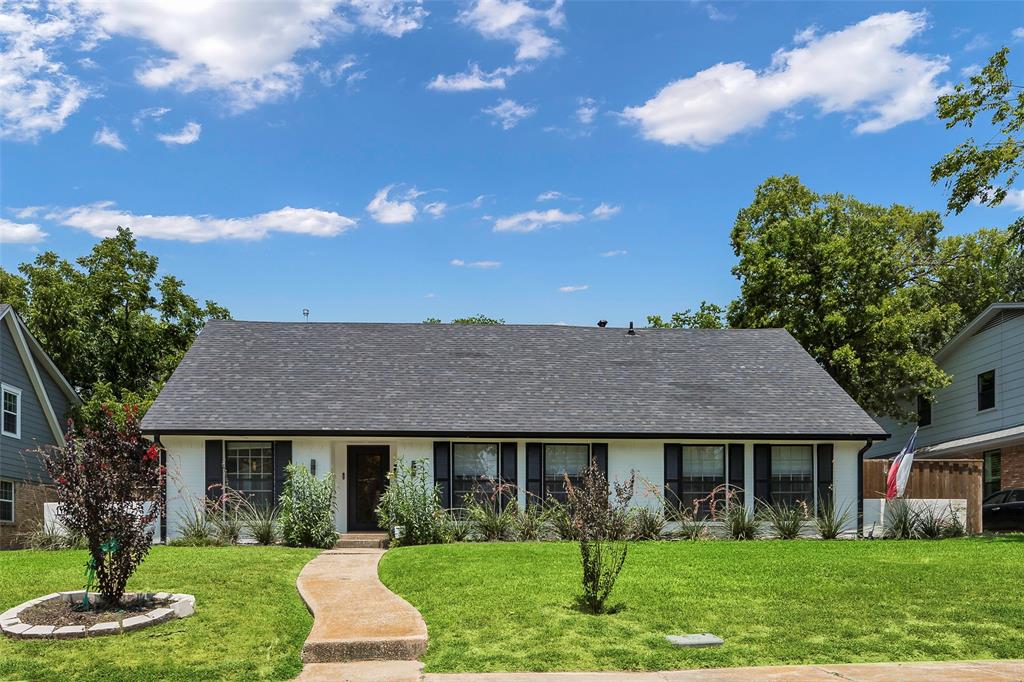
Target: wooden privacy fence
(934, 479)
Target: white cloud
(473, 79)
(28, 211)
(573, 288)
(152, 113)
(101, 220)
(605, 211)
(531, 221)
(861, 70)
(613, 253)
(1015, 199)
(551, 196)
(970, 70)
(978, 42)
(108, 137)
(1018, 33)
(20, 233)
(390, 17)
(586, 111)
(508, 113)
(715, 14)
(37, 94)
(518, 22)
(329, 75)
(388, 211)
(479, 264)
(436, 208)
(187, 135)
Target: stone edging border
(181, 606)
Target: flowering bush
(307, 509)
(411, 503)
(109, 481)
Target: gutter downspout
(860, 486)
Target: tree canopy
(472, 319)
(707, 316)
(113, 328)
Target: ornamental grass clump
(530, 523)
(901, 522)
(410, 507)
(489, 519)
(600, 520)
(307, 509)
(786, 520)
(741, 522)
(646, 524)
(832, 520)
(108, 481)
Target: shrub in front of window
(646, 524)
(785, 520)
(307, 509)
(109, 481)
(832, 520)
(488, 519)
(530, 523)
(194, 528)
(741, 522)
(600, 519)
(454, 528)
(560, 520)
(411, 504)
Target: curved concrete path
(356, 618)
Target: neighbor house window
(474, 471)
(560, 462)
(993, 471)
(793, 474)
(11, 398)
(250, 470)
(924, 411)
(703, 470)
(7, 501)
(987, 390)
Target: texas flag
(899, 471)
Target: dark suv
(1003, 510)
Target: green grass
(510, 607)
(249, 622)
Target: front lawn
(249, 622)
(510, 607)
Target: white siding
(186, 478)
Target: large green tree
(707, 316)
(984, 172)
(977, 269)
(472, 319)
(110, 324)
(853, 282)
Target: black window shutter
(509, 472)
(534, 469)
(673, 470)
(442, 471)
(736, 473)
(282, 458)
(763, 473)
(825, 451)
(599, 455)
(214, 469)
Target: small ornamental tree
(109, 481)
(601, 523)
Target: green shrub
(307, 509)
(194, 528)
(831, 520)
(489, 520)
(530, 523)
(741, 523)
(260, 521)
(901, 522)
(454, 527)
(688, 525)
(43, 536)
(785, 520)
(560, 520)
(646, 523)
(411, 503)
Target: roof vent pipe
(631, 332)
(602, 323)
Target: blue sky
(538, 162)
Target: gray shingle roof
(504, 380)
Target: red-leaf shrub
(109, 481)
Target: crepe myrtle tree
(109, 481)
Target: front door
(367, 476)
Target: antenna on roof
(305, 313)
(631, 332)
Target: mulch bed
(60, 613)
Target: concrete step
(362, 541)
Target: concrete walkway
(356, 618)
(956, 671)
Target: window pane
(474, 470)
(10, 402)
(703, 471)
(6, 490)
(792, 474)
(561, 461)
(10, 422)
(250, 470)
(6, 511)
(993, 471)
(987, 390)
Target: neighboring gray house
(980, 415)
(35, 399)
(687, 410)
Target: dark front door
(367, 476)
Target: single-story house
(685, 409)
(35, 399)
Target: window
(996, 498)
(993, 471)
(924, 411)
(561, 461)
(250, 470)
(793, 475)
(6, 502)
(987, 390)
(474, 471)
(703, 470)
(11, 411)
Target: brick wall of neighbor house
(28, 512)
(1013, 467)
